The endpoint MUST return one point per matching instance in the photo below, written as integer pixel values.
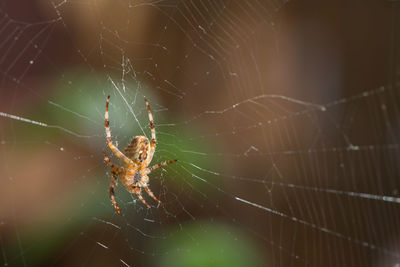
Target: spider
(136, 159)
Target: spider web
(284, 118)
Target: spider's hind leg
(114, 167)
(114, 149)
(153, 131)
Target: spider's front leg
(137, 190)
(113, 184)
(115, 171)
(152, 195)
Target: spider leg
(162, 164)
(152, 195)
(136, 190)
(115, 170)
(113, 148)
(113, 184)
(113, 166)
(153, 132)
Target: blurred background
(284, 116)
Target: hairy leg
(136, 190)
(114, 149)
(152, 195)
(113, 166)
(113, 184)
(159, 165)
(153, 132)
(115, 171)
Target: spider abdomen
(138, 149)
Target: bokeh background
(284, 116)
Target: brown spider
(136, 158)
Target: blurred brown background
(237, 90)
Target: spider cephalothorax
(136, 159)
